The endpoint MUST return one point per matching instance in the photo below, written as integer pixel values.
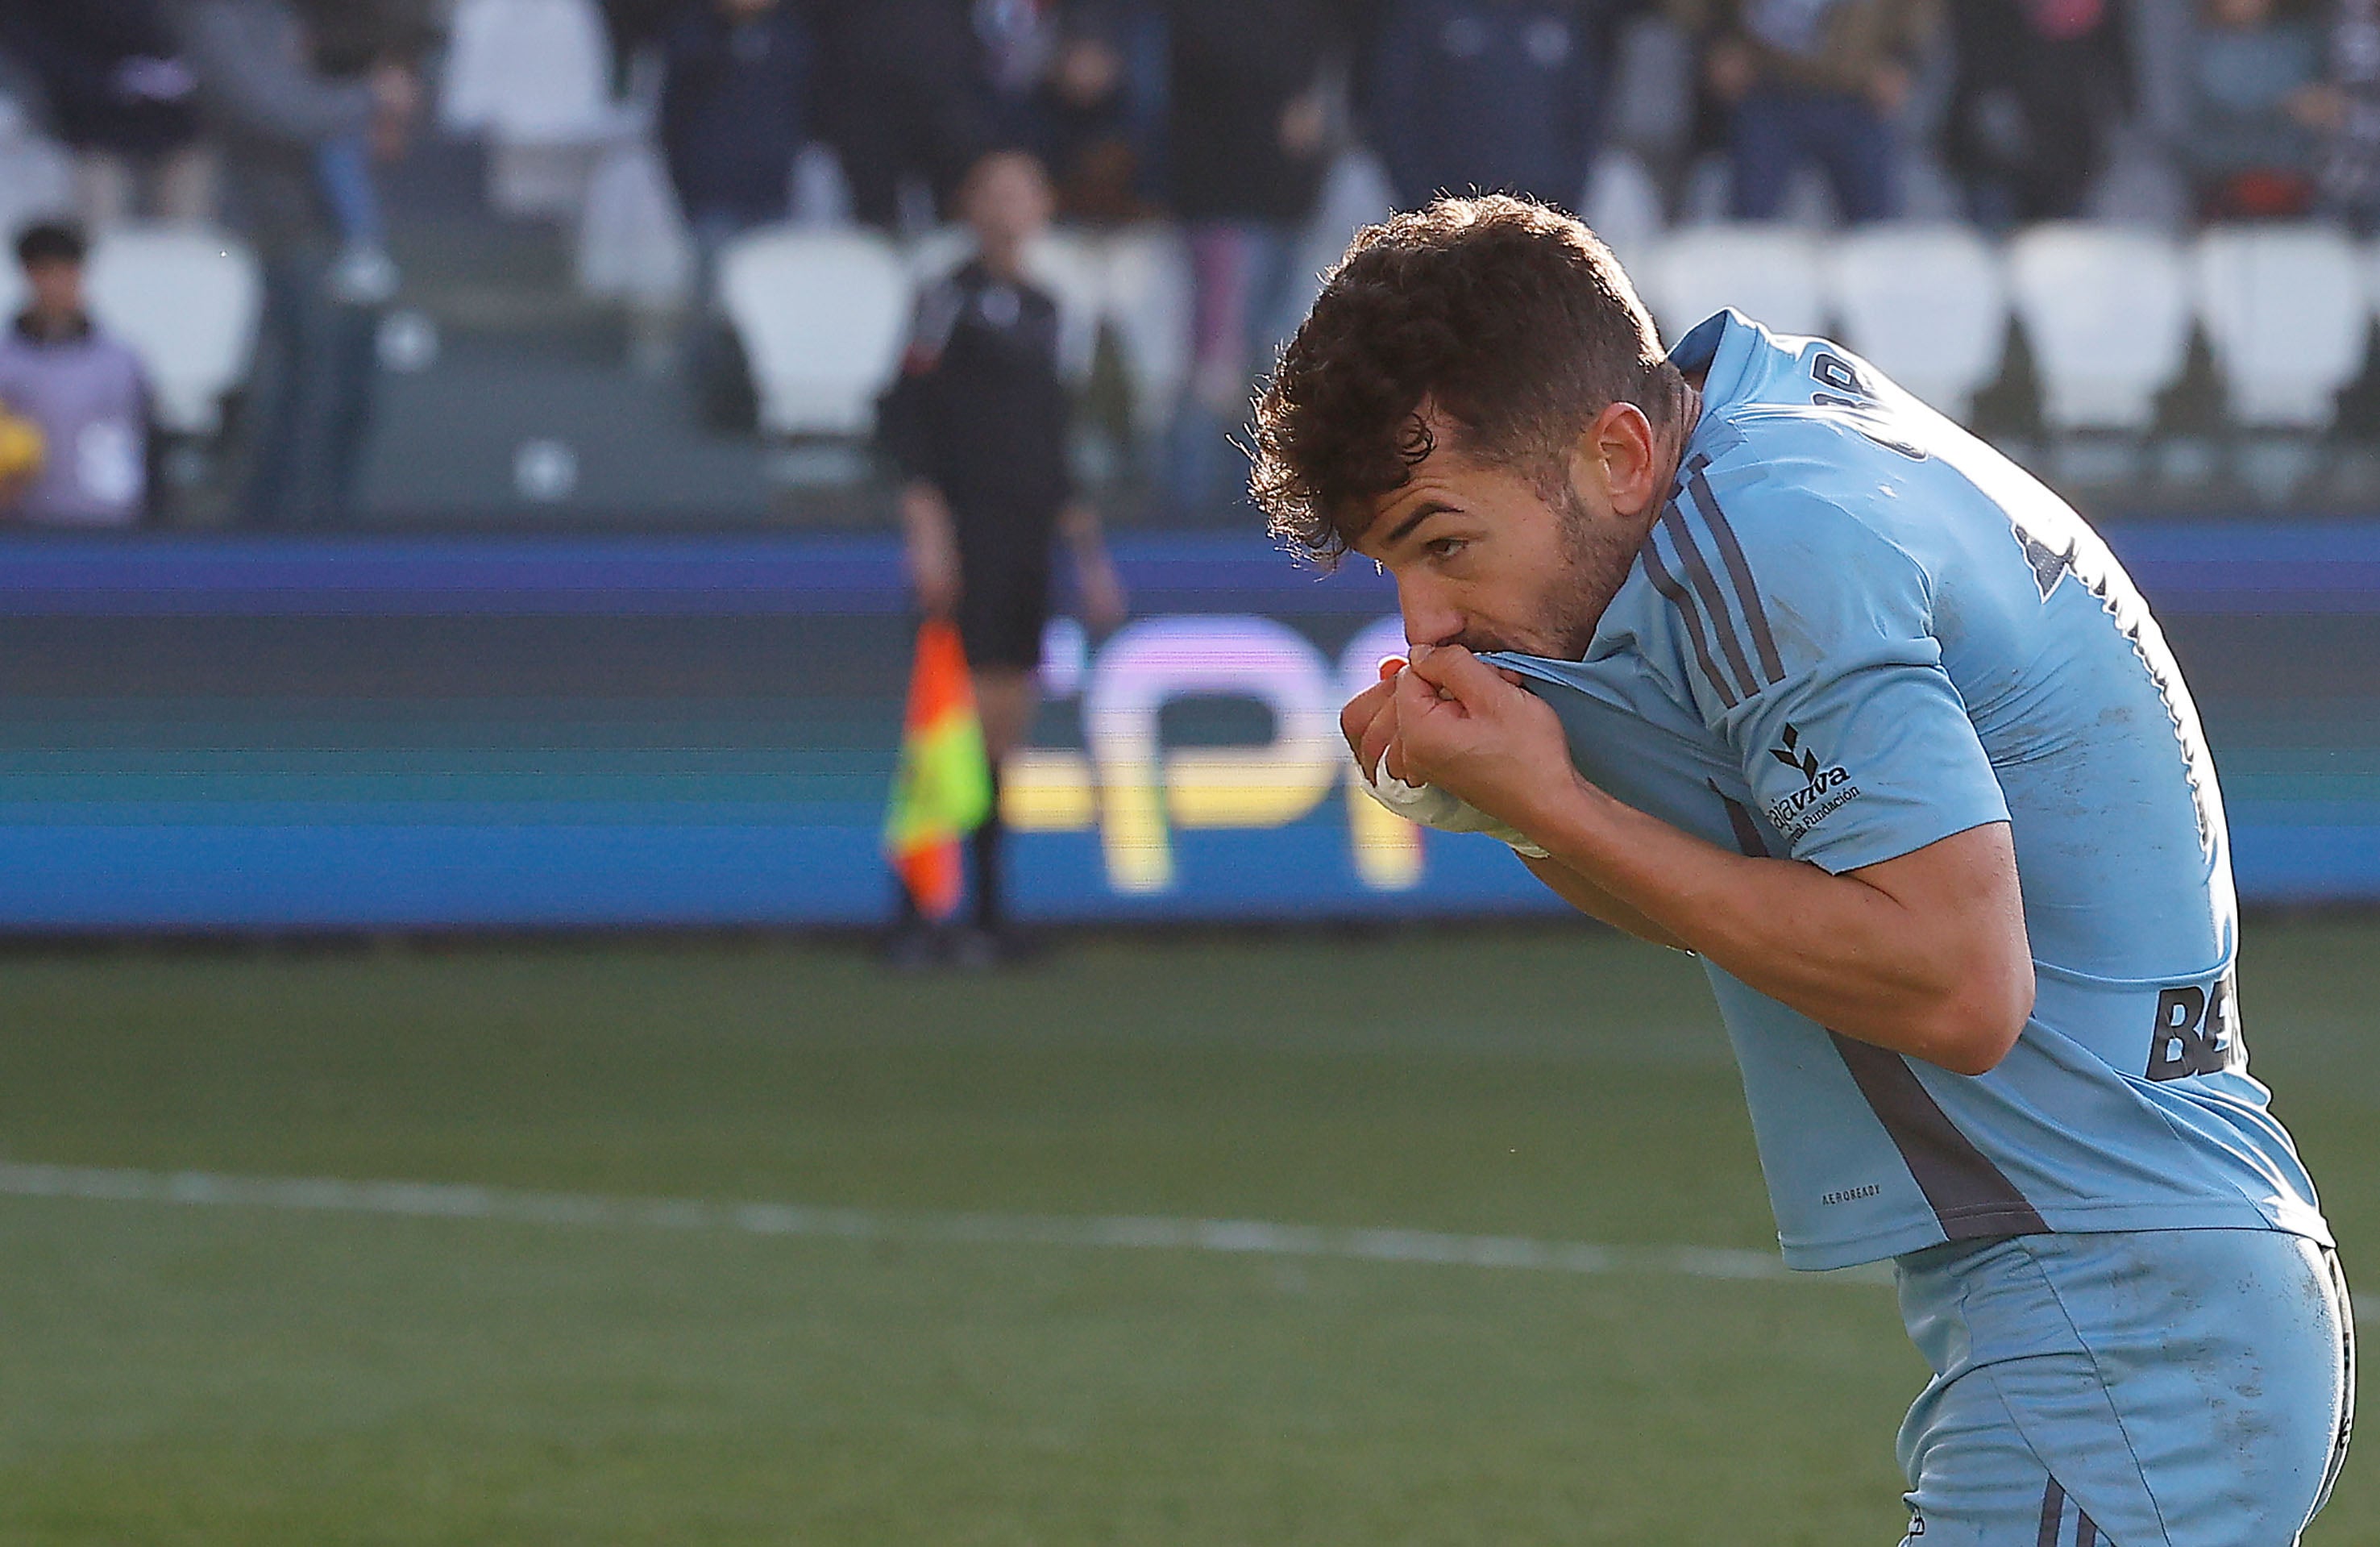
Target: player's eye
(1445, 547)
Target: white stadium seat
(526, 70)
(823, 316)
(1147, 288)
(2106, 312)
(186, 302)
(1074, 270)
(1623, 205)
(1768, 273)
(1926, 304)
(535, 77)
(2284, 310)
(633, 244)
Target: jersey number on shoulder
(1840, 387)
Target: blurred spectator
(349, 37)
(633, 26)
(122, 101)
(1018, 39)
(903, 97)
(734, 112)
(275, 113)
(977, 424)
(2347, 109)
(734, 115)
(1493, 95)
(1248, 132)
(1812, 82)
(85, 393)
(2039, 86)
(1083, 121)
(2256, 101)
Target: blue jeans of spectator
(1778, 128)
(310, 415)
(343, 169)
(1239, 273)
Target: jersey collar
(1724, 348)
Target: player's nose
(1429, 619)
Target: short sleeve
(1810, 649)
(909, 430)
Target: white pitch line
(1243, 1237)
(1250, 1238)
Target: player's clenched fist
(1471, 731)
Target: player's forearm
(1845, 953)
(1598, 904)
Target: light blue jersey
(1857, 630)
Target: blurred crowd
(1222, 117)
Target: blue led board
(390, 733)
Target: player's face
(1488, 557)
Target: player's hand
(1104, 604)
(1369, 720)
(931, 550)
(1465, 727)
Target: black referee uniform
(981, 414)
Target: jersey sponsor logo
(2197, 1032)
(1825, 788)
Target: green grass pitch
(261, 1376)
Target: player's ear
(1615, 456)
(1636, 489)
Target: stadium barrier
(242, 733)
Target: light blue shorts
(2167, 1388)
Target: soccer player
(1773, 665)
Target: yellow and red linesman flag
(942, 791)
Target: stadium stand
(573, 236)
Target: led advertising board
(206, 734)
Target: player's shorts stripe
(1667, 584)
(1739, 570)
(2053, 1510)
(1970, 1196)
(1699, 573)
(2085, 1533)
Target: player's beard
(1594, 561)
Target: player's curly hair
(1511, 318)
